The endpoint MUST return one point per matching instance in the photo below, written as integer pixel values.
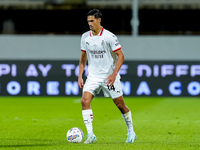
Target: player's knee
(84, 102)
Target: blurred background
(156, 17)
(160, 40)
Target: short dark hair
(95, 12)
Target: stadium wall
(51, 47)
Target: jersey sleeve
(83, 45)
(114, 43)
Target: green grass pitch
(41, 123)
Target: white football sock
(128, 120)
(88, 118)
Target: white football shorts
(94, 87)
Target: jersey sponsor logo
(97, 56)
(97, 53)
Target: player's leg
(117, 95)
(88, 116)
(126, 114)
(119, 102)
(87, 111)
(90, 89)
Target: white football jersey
(101, 55)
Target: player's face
(94, 23)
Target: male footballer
(105, 57)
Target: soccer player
(103, 52)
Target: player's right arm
(82, 63)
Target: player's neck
(96, 32)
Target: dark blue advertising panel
(138, 78)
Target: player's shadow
(28, 145)
(31, 141)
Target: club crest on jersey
(102, 43)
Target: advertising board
(138, 78)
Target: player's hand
(80, 82)
(110, 80)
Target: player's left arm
(111, 79)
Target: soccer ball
(75, 135)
